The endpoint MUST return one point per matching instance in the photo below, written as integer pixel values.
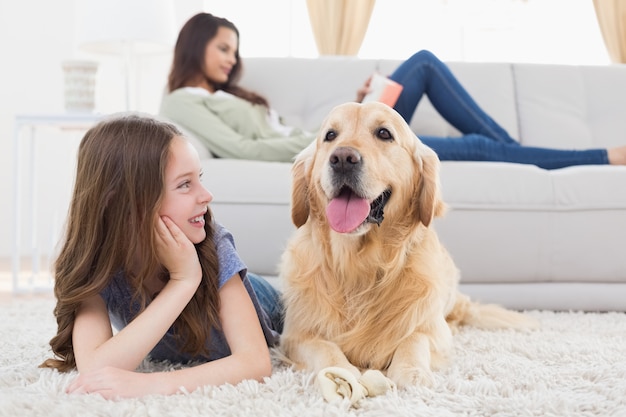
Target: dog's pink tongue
(346, 212)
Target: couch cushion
(518, 223)
(563, 106)
(592, 187)
(252, 200)
(507, 186)
(501, 185)
(248, 182)
(304, 90)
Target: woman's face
(185, 199)
(220, 55)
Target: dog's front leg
(336, 377)
(317, 354)
(410, 364)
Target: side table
(30, 123)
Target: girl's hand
(176, 252)
(114, 383)
(362, 92)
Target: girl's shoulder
(229, 260)
(220, 231)
(118, 298)
(224, 241)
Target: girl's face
(185, 199)
(220, 55)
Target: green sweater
(231, 127)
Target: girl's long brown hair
(117, 195)
(188, 61)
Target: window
(540, 31)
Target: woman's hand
(362, 92)
(176, 252)
(114, 383)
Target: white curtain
(611, 16)
(339, 26)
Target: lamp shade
(109, 26)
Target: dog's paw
(337, 383)
(376, 383)
(407, 377)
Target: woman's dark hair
(189, 51)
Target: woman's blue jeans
(483, 139)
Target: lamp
(128, 28)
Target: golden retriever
(367, 284)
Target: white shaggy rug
(575, 365)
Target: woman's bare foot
(617, 156)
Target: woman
(142, 253)
(234, 123)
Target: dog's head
(365, 167)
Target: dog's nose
(345, 159)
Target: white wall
(35, 37)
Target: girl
(142, 253)
(234, 123)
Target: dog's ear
(299, 185)
(429, 202)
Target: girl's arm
(93, 343)
(95, 346)
(249, 359)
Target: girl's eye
(185, 184)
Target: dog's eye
(330, 136)
(384, 134)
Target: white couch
(523, 237)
